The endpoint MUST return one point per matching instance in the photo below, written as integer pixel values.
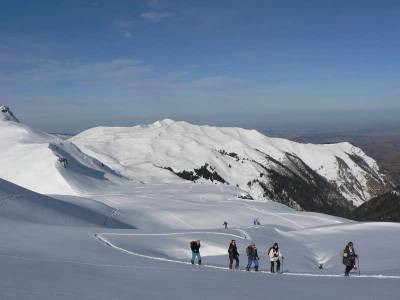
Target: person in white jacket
(275, 257)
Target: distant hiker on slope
(274, 257)
(349, 258)
(225, 224)
(195, 247)
(63, 161)
(252, 257)
(233, 255)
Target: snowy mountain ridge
(45, 163)
(304, 176)
(328, 178)
(6, 114)
(117, 229)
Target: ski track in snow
(100, 237)
(180, 220)
(244, 233)
(113, 214)
(76, 262)
(311, 217)
(278, 215)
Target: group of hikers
(274, 254)
(256, 221)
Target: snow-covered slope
(304, 250)
(44, 163)
(6, 114)
(313, 177)
(44, 252)
(19, 204)
(153, 261)
(41, 248)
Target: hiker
(195, 247)
(225, 224)
(233, 255)
(63, 161)
(274, 257)
(349, 258)
(252, 257)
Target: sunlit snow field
(94, 233)
(64, 260)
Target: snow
(141, 153)
(97, 235)
(60, 261)
(6, 114)
(21, 204)
(53, 267)
(30, 158)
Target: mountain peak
(169, 151)
(6, 114)
(163, 123)
(167, 121)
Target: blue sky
(68, 65)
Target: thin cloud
(128, 35)
(215, 83)
(124, 26)
(118, 71)
(155, 17)
(157, 4)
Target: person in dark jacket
(252, 257)
(349, 258)
(274, 257)
(225, 224)
(195, 247)
(233, 255)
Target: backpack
(248, 251)
(192, 245)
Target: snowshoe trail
(100, 237)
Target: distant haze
(279, 124)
